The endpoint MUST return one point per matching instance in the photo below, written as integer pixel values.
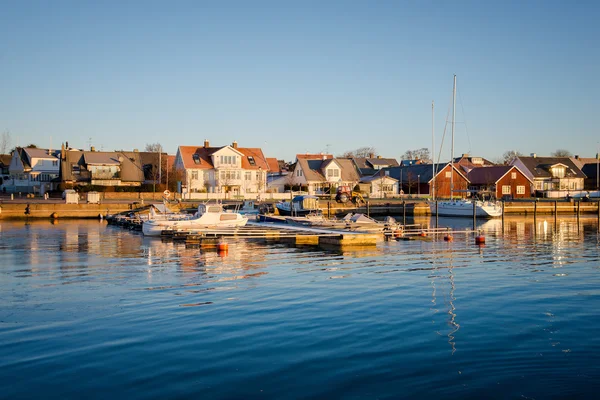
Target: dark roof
(487, 175)
(424, 172)
(590, 170)
(5, 159)
(313, 169)
(362, 162)
(539, 167)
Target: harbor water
(91, 311)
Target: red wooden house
(501, 181)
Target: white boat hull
(464, 208)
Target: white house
(227, 170)
(33, 170)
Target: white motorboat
(463, 207)
(208, 216)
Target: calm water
(93, 311)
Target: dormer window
(251, 160)
(196, 158)
(558, 172)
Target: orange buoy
(480, 239)
(222, 246)
(448, 238)
(397, 233)
(423, 234)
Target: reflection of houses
(224, 169)
(419, 179)
(32, 170)
(591, 168)
(370, 166)
(500, 181)
(321, 174)
(100, 168)
(381, 185)
(551, 176)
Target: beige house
(381, 185)
(322, 174)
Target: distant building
(370, 166)
(421, 179)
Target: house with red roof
(238, 171)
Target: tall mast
(432, 155)
(452, 146)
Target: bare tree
(4, 142)
(417, 154)
(562, 153)
(362, 152)
(510, 155)
(154, 148)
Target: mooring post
(474, 214)
(503, 203)
(328, 209)
(368, 208)
(436, 213)
(403, 212)
(578, 208)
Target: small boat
(208, 216)
(300, 206)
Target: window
(520, 189)
(251, 160)
(196, 158)
(448, 174)
(195, 175)
(505, 189)
(558, 172)
(248, 176)
(55, 163)
(513, 175)
(298, 172)
(333, 172)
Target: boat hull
(465, 209)
(154, 228)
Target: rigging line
(443, 136)
(465, 122)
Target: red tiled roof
(273, 165)
(205, 153)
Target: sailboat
(463, 207)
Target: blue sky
(295, 77)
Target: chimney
(234, 144)
(465, 155)
(206, 143)
(371, 155)
(379, 157)
(92, 148)
(533, 155)
(577, 156)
